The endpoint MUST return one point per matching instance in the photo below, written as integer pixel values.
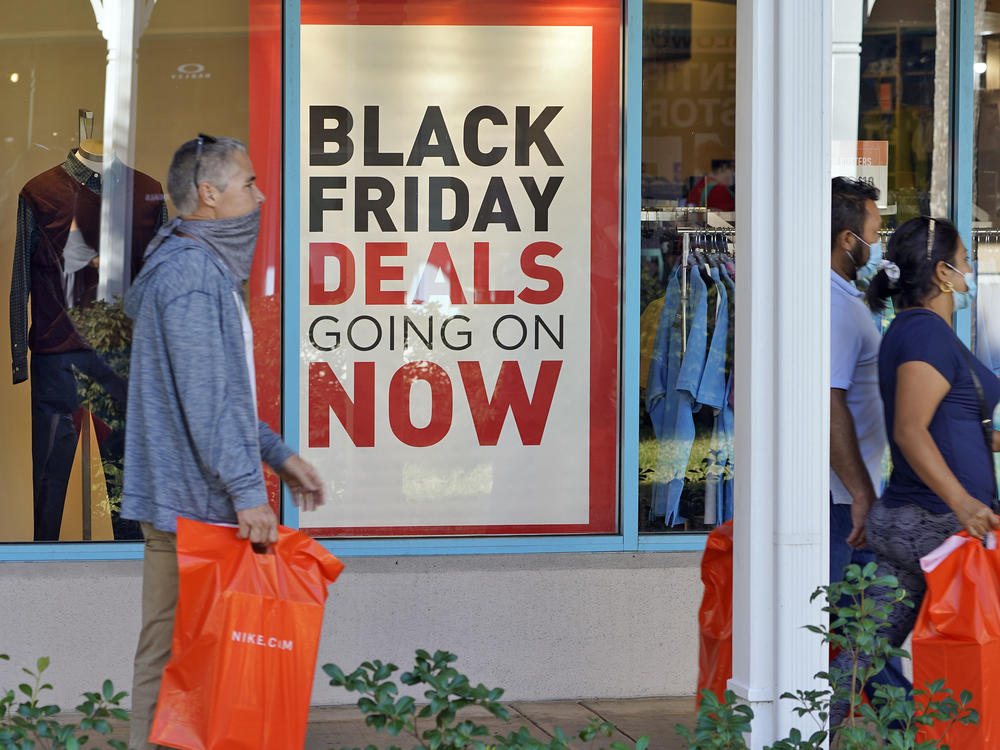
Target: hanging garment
(712, 393)
(648, 326)
(988, 321)
(727, 430)
(728, 275)
(662, 381)
(711, 388)
(676, 439)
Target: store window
(986, 183)
(891, 114)
(891, 128)
(457, 320)
(689, 259)
(902, 105)
(90, 121)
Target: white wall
(543, 627)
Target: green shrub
(436, 726)
(891, 719)
(28, 724)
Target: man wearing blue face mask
(857, 434)
(193, 443)
(857, 429)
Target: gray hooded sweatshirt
(193, 442)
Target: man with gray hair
(193, 441)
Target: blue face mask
(870, 268)
(964, 299)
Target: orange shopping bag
(246, 635)
(715, 617)
(957, 635)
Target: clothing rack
(990, 235)
(982, 235)
(702, 235)
(651, 214)
(978, 235)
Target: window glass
(986, 185)
(688, 261)
(890, 128)
(891, 106)
(88, 126)
(903, 71)
(458, 323)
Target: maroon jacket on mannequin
(47, 206)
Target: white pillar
(782, 354)
(848, 25)
(122, 23)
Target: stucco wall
(606, 625)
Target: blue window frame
(629, 539)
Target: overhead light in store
(979, 68)
(14, 77)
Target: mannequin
(91, 154)
(56, 269)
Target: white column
(848, 25)
(121, 22)
(941, 154)
(782, 354)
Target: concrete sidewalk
(344, 726)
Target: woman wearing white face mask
(935, 395)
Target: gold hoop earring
(946, 288)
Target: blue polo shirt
(854, 343)
(922, 335)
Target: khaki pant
(159, 600)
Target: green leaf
(43, 664)
(335, 673)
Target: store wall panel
(540, 626)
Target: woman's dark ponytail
(880, 288)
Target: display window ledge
(105, 551)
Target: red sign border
(605, 19)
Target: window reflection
(688, 271)
(986, 185)
(89, 120)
